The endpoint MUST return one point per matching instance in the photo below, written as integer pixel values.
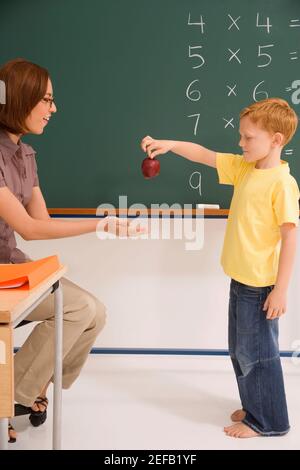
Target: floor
(156, 402)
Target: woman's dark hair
(25, 85)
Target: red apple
(150, 167)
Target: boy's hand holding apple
(151, 166)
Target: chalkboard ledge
(88, 212)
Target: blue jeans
(254, 351)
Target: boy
(258, 254)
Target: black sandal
(39, 417)
(11, 439)
(21, 410)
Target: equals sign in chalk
(208, 206)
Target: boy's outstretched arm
(276, 302)
(188, 150)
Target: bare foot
(12, 435)
(40, 404)
(240, 430)
(238, 416)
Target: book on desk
(27, 275)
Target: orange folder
(27, 275)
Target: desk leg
(58, 302)
(6, 381)
(3, 434)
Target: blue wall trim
(169, 352)
(172, 352)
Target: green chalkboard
(173, 69)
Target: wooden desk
(15, 306)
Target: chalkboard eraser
(208, 206)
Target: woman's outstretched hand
(121, 227)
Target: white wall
(158, 295)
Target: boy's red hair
(273, 115)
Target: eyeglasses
(48, 101)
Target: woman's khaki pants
(84, 318)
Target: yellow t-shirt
(263, 200)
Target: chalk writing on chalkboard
(234, 55)
(195, 181)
